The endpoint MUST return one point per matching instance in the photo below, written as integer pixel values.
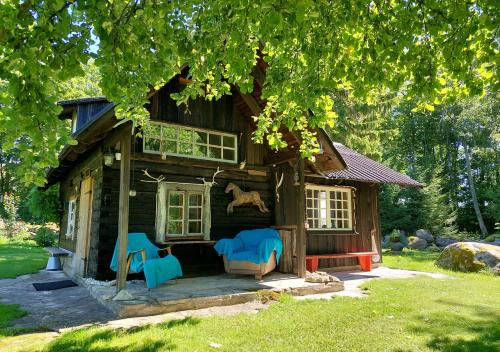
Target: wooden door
(84, 222)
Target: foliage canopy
(428, 50)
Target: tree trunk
(482, 226)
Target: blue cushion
(255, 246)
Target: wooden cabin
(328, 206)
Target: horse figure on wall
(241, 197)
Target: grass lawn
(413, 260)
(20, 257)
(418, 314)
(17, 257)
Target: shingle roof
(82, 101)
(362, 168)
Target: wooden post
(121, 275)
(301, 218)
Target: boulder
(444, 241)
(397, 246)
(469, 256)
(425, 235)
(320, 276)
(386, 242)
(417, 243)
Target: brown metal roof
(362, 168)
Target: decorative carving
(241, 197)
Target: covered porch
(203, 292)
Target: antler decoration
(278, 185)
(156, 179)
(205, 182)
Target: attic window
(184, 141)
(329, 207)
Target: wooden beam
(251, 103)
(123, 212)
(301, 218)
(281, 157)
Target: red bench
(365, 259)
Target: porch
(202, 292)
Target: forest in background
(443, 147)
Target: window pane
(185, 148)
(170, 132)
(174, 227)
(214, 153)
(200, 150)
(311, 223)
(228, 141)
(200, 137)
(176, 199)
(194, 213)
(346, 224)
(346, 214)
(215, 139)
(185, 135)
(153, 131)
(152, 144)
(169, 147)
(339, 223)
(334, 224)
(195, 200)
(228, 154)
(309, 203)
(175, 213)
(194, 227)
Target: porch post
(301, 230)
(123, 212)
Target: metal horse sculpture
(241, 197)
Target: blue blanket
(156, 270)
(255, 246)
(136, 241)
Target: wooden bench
(364, 258)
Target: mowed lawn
(20, 257)
(418, 314)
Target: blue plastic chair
(142, 255)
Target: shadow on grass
(125, 340)
(454, 332)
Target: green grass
(418, 314)
(412, 260)
(17, 257)
(20, 257)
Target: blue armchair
(142, 255)
(251, 252)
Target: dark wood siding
(70, 188)
(143, 205)
(221, 115)
(365, 203)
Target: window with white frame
(184, 213)
(329, 207)
(170, 139)
(70, 228)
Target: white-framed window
(184, 213)
(329, 207)
(185, 141)
(70, 227)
